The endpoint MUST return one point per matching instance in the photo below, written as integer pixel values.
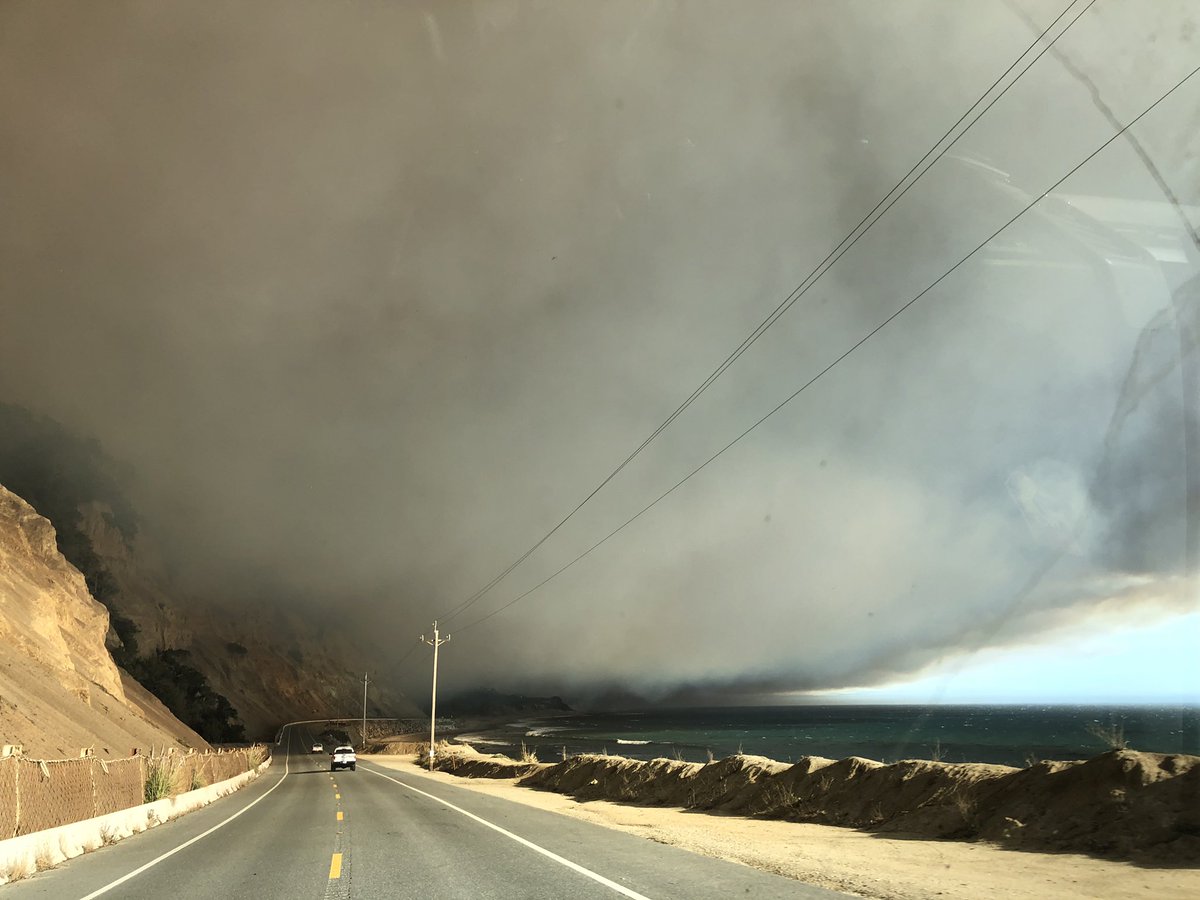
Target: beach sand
(888, 867)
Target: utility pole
(366, 681)
(436, 642)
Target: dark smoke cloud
(368, 295)
(1152, 523)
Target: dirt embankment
(1124, 804)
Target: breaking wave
(473, 739)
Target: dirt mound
(1122, 804)
(465, 760)
(396, 748)
(720, 785)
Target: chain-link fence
(53, 793)
(117, 784)
(39, 794)
(200, 770)
(8, 797)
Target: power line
(398, 663)
(835, 362)
(865, 224)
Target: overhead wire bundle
(986, 101)
(995, 91)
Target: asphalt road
(300, 831)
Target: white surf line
(154, 862)
(595, 876)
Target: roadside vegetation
(161, 774)
(1111, 735)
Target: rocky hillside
(60, 690)
(272, 664)
(206, 656)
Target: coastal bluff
(1122, 805)
(60, 691)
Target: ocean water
(1009, 735)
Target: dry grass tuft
(1111, 735)
(45, 858)
(966, 804)
(778, 798)
(16, 871)
(161, 774)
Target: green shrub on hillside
(186, 693)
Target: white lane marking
(154, 862)
(595, 876)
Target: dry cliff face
(60, 690)
(48, 614)
(273, 665)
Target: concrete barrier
(24, 855)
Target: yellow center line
(339, 815)
(337, 796)
(335, 866)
